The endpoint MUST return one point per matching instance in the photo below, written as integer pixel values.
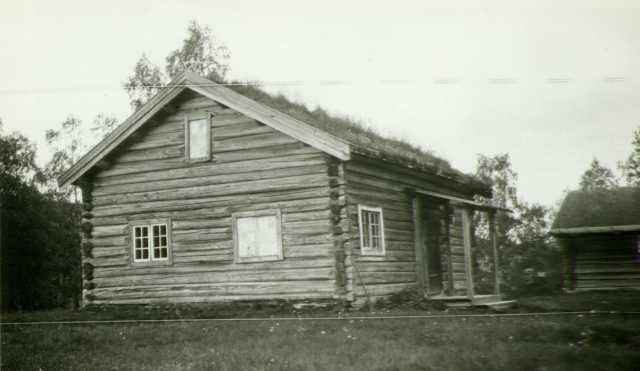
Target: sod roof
(364, 140)
(600, 208)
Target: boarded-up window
(198, 139)
(151, 243)
(257, 236)
(371, 225)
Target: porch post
(447, 225)
(466, 236)
(418, 242)
(494, 245)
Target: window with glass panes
(371, 230)
(150, 243)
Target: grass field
(562, 342)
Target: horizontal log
(386, 277)
(382, 289)
(214, 278)
(221, 288)
(216, 298)
(301, 263)
(289, 200)
(237, 187)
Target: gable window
(371, 224)
(198, 139)
(257, 236)
(151, 243)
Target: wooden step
(499, 305)
(484, 299)
(489, 301)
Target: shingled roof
(601, 210)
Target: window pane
(198, 138)
(365, 228)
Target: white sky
(72, 57)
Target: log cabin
(208, 193)
(599, 233)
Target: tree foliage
(144, 82)
(200, 52)
(529, 262)
(103, 125)
(17, 158)
(40, 246)
(598, 176)
(67, 145)
(631, 166)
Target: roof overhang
(594, 230)
(462, 201)
(282, 122)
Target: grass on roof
(600, 208)
(353, 131)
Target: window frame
(149, 224)
(364, 249)
(187, 137)
(236, 242)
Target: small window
(371, 224)
(198, 139)
(257, 236)
(151, 243)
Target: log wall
(376, 185)
(603, 262)
(253, 167)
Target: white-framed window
(371, 223)
(151, 243)
(197, 139)
(257, 236)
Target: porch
(444, 248)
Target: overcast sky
(552, 83)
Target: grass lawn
(565, 342)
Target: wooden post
(466, 236)
(418, 242)
(494, 245)
(447, 225)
